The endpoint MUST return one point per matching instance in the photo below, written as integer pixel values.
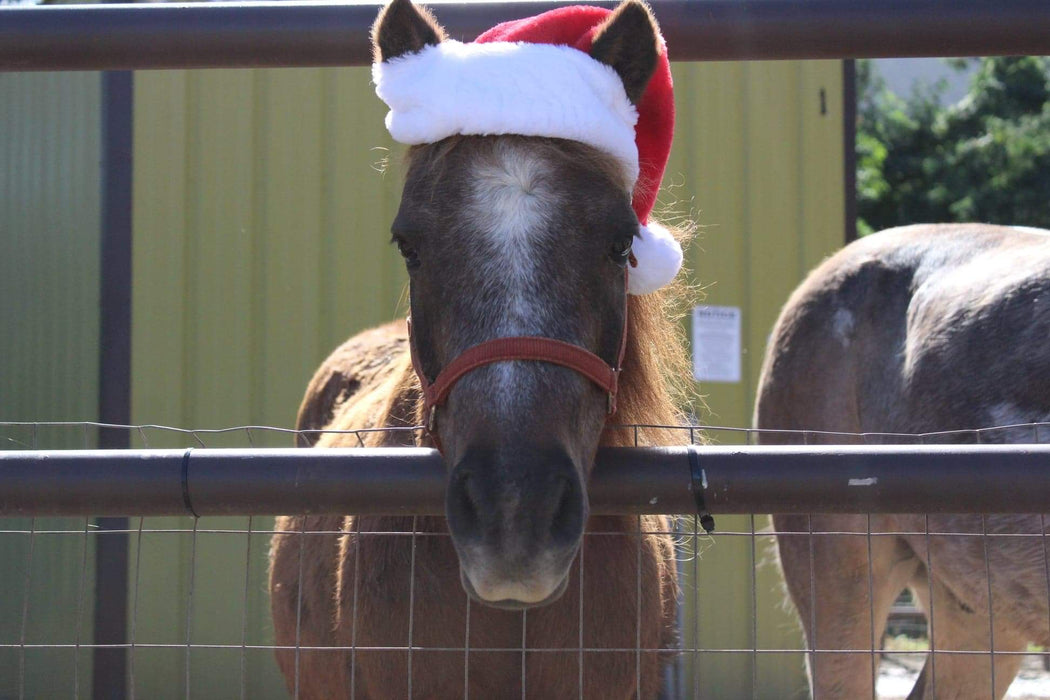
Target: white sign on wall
(716, 343)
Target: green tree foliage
(985, 158)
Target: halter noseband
(505, 349)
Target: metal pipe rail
(283, 34)
(751, 479)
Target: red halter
(533, 348)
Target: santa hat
(535, 77)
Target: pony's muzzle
(506, 599)
(516, 519)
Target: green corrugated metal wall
(49, 358)
(261, 242)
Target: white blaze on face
(510, 209)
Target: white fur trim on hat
(508, 88)
(659, 259)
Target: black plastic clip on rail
(699, 479)
(186, 483)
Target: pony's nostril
(567, 523)
(463, 507)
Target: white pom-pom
(659, 259)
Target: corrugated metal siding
(49, 267)
(261, 243)
(261, 231)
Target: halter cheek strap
(530, 348)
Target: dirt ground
(898, 672)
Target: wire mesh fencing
(197, 621)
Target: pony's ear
(628, 41)
(403, 28)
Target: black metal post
(849, 146)
(111, 550)
(276, 34)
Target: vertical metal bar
(811, 638)
(638, 609)
(754, 611)
(466, 654)
(135, 610)
(696, 592)
(25, 593)
(524, 641)
(299, 606)
(412, 602)
(638, 600)
(932, 658)
(244, 612)
(754, 600)
(189, 608)
(849, 146)
(991, 611)
(353, 613)
(978, 434)
(25, 611)
(114, 393)
(674, 674)
(1046, 558)
(583, 547)
(81, 595)
(871, 572)
(116, 243)
(871, 616)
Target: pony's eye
(621, 251)
(408, 253)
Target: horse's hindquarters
(937, 332)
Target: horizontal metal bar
(752, 479)
(280, 34)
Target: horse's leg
(302, 578)
(958, 627)
(918, 691)
(841, 584)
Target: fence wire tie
(707, 521)
(186, 483)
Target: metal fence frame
(275, 34)
(279, 34)
(689, 480)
